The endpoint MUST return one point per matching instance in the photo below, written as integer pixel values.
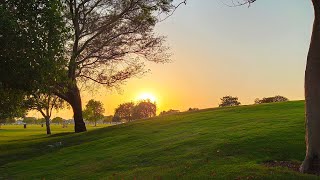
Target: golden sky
(246, 52)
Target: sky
(248, 52)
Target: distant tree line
(271, 99)
(234, 101)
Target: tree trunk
(74, 100)
(311, 164)
(48, 125)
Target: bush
(271, 100)
(229, 101)
(171, 111)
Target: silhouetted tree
(170, 111)
(108, 44)
(229, 101)
(94, 111)
(125, 111)
(271, 99)
(144, 109)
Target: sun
(146, 96)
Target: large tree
(109, 40)
(311, 163)
(32, 36)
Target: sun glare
(146, 96)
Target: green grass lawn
(222, 143)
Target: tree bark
(311, 163)
(48, 125)
(74, 100)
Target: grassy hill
(222, 143)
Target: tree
(11, 103)
(33, 37)
(144, 109)
(30, 120)
(170, 111)
(45, 104)
(94, 111)
(229, 101)
(107, 119)
(33, 34)
(312, 95)
(125, 111)
(271, 99)
(108, 43)
(57, 120)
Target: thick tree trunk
(48, 125)
(311, 164)
(74, 100)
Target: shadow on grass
(59, 134)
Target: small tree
(229, 101)
(107, 119)
(144, 109)
(30, 120)
(94, 111)
(57, 120)
(125, 111)
(45, 103)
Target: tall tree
(109, 41)
(311, 163)
(32, 36)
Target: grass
(221, 143)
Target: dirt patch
(287, 164)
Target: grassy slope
(220, 143)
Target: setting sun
(146, 96)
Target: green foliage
(57, 120)
(229, 101)
(94, 111)
(271, 99)
(41, 120)
(33, 37)
(219, 143)
(30, 120)
(12, 103)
